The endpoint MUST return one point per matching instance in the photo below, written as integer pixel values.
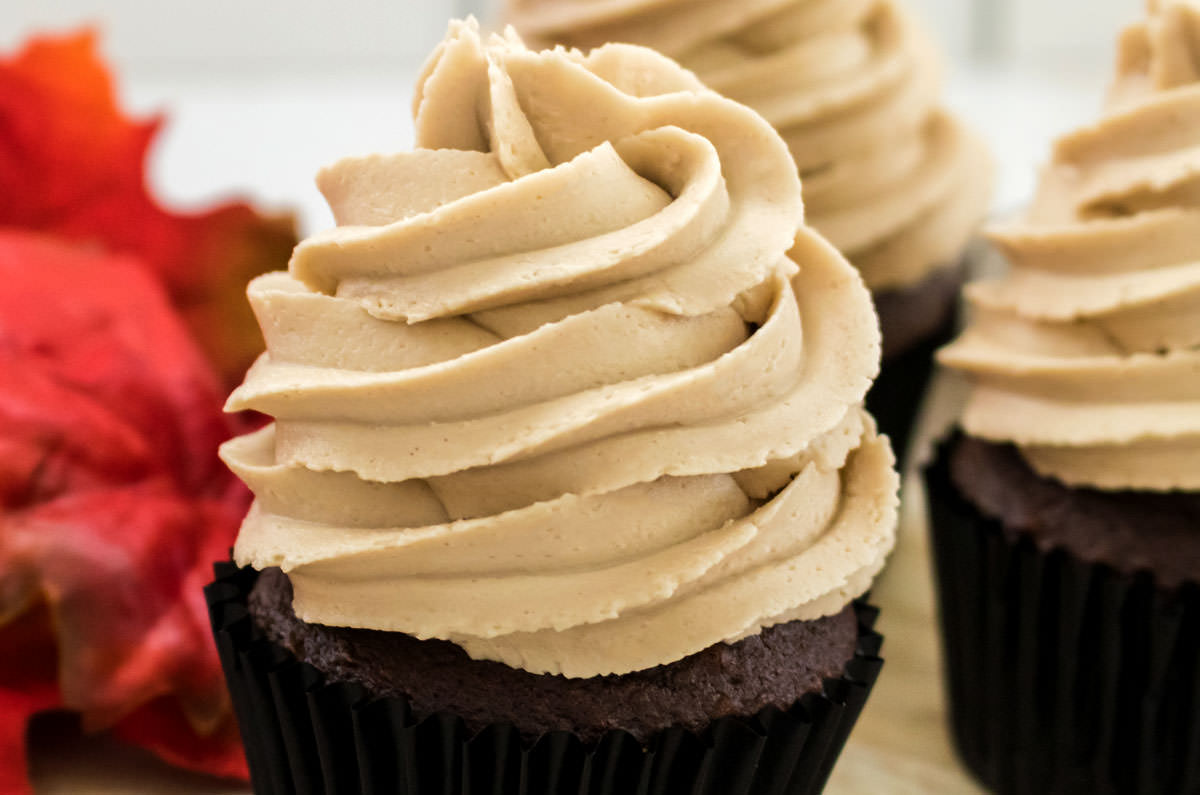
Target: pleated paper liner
(1063, 676)
(896, 396)
(304, 735)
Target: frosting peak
(1159, 54)
(894, 182)
(1087, 355)
(553, 388)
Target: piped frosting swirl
(553, 389)
(1087, 355)
(896, 183)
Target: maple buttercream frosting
(891, 179)
(1087, 356)
(553, 389)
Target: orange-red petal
(72, 164)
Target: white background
(1029, 33)
(269, 36)
(260, 93)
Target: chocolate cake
(1130, 531)
(776, 667)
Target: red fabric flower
(71, 164)
(121, 325)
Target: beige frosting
(890, 179)
(1088, 354)
(553, 389)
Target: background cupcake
(569, 462)
(891, 179)
(1065, 520)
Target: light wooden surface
(899, 746)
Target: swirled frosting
(896, 183)
(553, 389)
(1087, 355)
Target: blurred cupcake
(1066, 517)
(891, 179)
(569, 486)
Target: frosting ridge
(1087, 355)
(897, 184)
(554, 388)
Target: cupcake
(890, 178)
(569, 484)
(1066, 512)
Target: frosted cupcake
(569, 480)
(891, 179)
(1066, 515)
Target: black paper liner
(305, 735)
(895, 398)
(1063, 676)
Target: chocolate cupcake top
(553, 389)
(1087, 355)
(893, 181)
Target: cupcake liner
(305, 735)
(1063, 676)
(895, 398)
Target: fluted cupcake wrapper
(1063, 676)
(896, 396)
(304, 735)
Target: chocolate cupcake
(328, 709)
(1065, 517)
(890, 178)
(569, 483)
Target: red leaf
(115, 504)
(71, 164)
(27, 687)
(161, 726)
